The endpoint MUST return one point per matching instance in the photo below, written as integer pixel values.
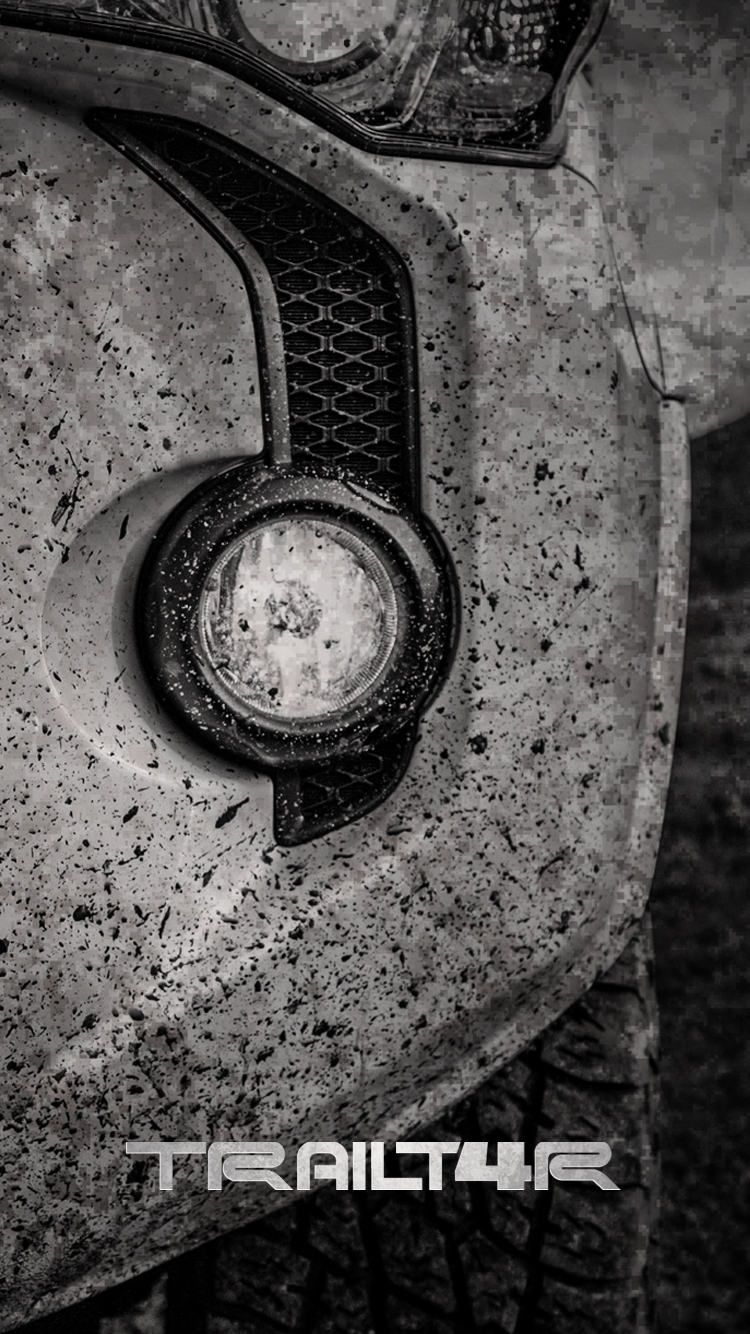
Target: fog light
(288, 618)
(298, 619)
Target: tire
(468, 1259)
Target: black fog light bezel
(186, 550)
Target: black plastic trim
(329, 772)
(170, 140)
(302, 812)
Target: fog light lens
(297, 620)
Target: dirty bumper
(170, 971)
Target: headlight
(479, 78)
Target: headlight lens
(319, 32)
(297, 620)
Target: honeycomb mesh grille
(343, 299)
(348, 332)
(313, 801)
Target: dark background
(701, 912)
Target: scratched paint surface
(169, 972)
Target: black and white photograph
(375, 659)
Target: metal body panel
(170, 973)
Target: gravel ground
(701, 913)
